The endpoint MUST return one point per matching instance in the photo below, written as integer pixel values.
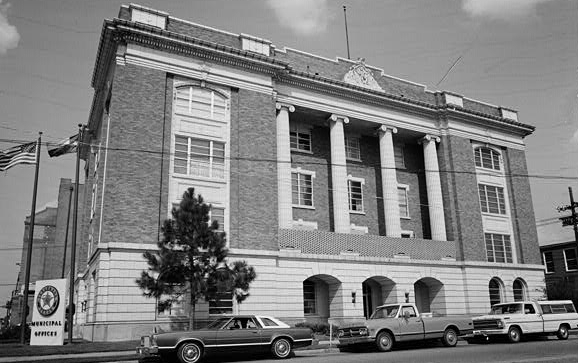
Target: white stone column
(284, 197)
(434, 189)
(389, 181)
(339, 174)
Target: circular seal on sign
(47, 300)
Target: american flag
(21, 154)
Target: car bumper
(485, 333)
(343, 342)
(147, 351)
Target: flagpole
(30, 242)
(73, 246)
(66, 236)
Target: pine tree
(191, 260)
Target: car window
(546, 309)
(217, 324)
(409, 309)
(529, 309)
(268, 322)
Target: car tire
(450, 337)
(281, 348)
(514, 335)
(189, 352)
(562, 332)
(384, 341)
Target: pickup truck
(394, 323)
(512, 320)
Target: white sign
(49, 308)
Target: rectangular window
(492, 199)
(398, 154)
(352, 148)
(570, 259)
(403, 202)
(355, 189)
(549, 262)
(221, 304)
(197, 157)
(498, 248)
(300, 137)
(487, 158)
(309, 305)
(218, 214)
(302, 189)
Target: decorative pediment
(359, 75)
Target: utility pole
(572, 219)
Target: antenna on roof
(346, 34)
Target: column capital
(428, 138)
(336, 118)
(385, 128)
(280, 105)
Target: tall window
(222, 303)
(492, 199)
(487, 158)
(355, 195)
(549, 262)
(309, 304)
(519, 290)
(197, 157)
(403, 202)
(398, 154)
(218, 214)
(299, 137)
(498, 247)
(352, 148)
(302, 189)
(495, 290)
(570, 259)
(203, 103)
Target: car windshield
(385, 312)
(507, 309)
(218, 324)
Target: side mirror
(406, 314)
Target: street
(551, 350)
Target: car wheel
(450, 338)
(281, 348)
(189, 353)
(514, 335)
(562, 332)
(384, 341)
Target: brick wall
(522, 210)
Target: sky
(520, 54)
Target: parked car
(230, 335)
(393, 323)
(512, 320)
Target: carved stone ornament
(359, 75)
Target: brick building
(344, 187)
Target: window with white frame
(309, 298)
(548, 258)
(402, 196)
(199, 102)
(199, 157)
(570, 259)
(492, 199)
(355, 191)
(495, 291)
(352, 148)
(218, 214)
(221, 299)
(300, 137)
(398, 154)
(498, 247)
(174, 308)
(302, 188)
(487, 158)
(519, 288)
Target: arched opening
(520, 290)
(321, 298)
(430, 295)
(496, 291)
(377, 290)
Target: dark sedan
(230, 334)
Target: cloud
(501, 9)
(304, 17)
(9, 36)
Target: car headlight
(340, 333)
(363, 331)
(154, 340)
(500, 324)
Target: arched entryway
(321, 298)
(430, 295)
(377, 290)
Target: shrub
(318, 327)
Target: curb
(311, 352)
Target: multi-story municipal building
(343, 186)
